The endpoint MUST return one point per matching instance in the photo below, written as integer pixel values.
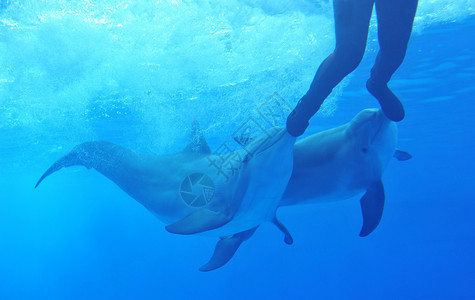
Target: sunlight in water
(67, 65)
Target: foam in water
(67, 65)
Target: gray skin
(342, 162)
(331, 165)
(239, 202)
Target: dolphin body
(232, 205)
(331, 165)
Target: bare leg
(351, 29)
(395, 20)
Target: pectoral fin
(226, 248)
(372, 204)
(199, 221)
(288, 238)
(402, 155)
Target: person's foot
(390, 104)
(297, 122)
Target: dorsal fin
(197, 141)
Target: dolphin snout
(381, 117)
(382, 125)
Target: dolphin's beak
(381, 121)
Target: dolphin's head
(374, 136)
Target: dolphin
(346, 161)
(225, 206)
(331, 165)
(338, 164)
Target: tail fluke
(64, 161)
(98, 155)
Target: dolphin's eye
(364, 150)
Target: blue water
(137, 72)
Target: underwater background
(138, 72)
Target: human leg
(351, 30)
(395, 19)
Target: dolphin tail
(99, 155)
(225, 249)
(70, 159)
(372, 205)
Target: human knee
(349, 60)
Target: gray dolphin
(233, 205)
(345, 161)
(334, 165)
(331, 165)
